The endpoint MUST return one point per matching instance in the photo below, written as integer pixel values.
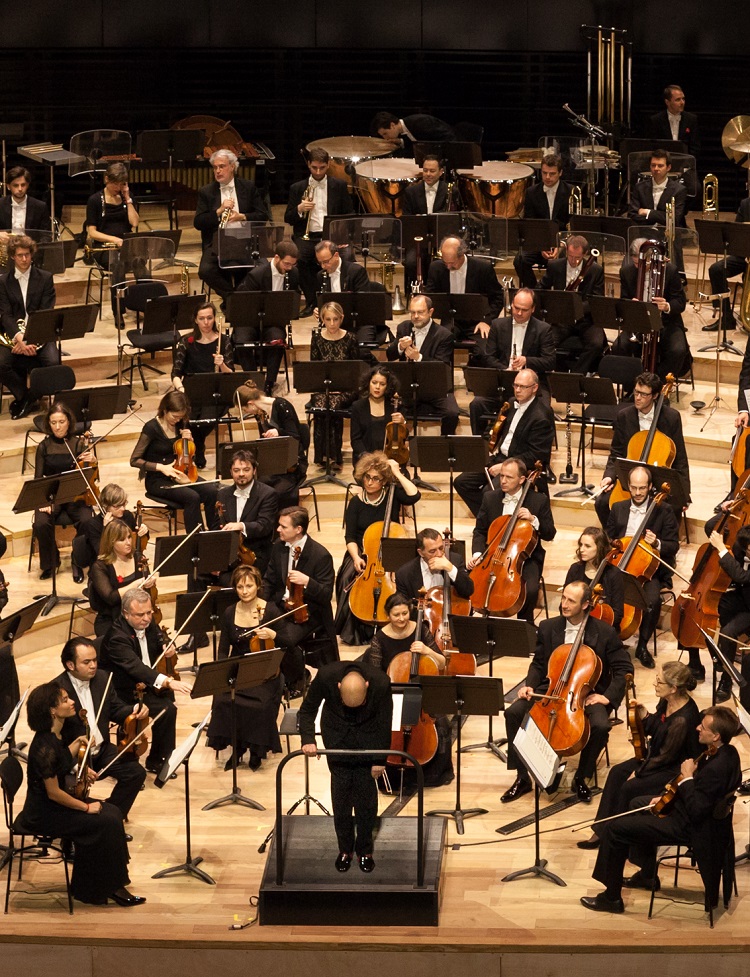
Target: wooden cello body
(440, 603)
(421, 739)
(374, 586)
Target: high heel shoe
(228, 765)
(124, 898)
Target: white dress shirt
(458, 278)
(23, 283)
(436, 579)
(83, 691)
(550, 193)
(430, 193)
(518, 414)
(18, 215)
(320, 201)
(657, 190)
(645, 420)
(277, 278)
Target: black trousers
(256, 357)
(673, 355)
(652, 593)
(524, 263)
(163, 735)
(308, 266)
(223, 281)
(44, 529)
(354, 788)
(189, 498)
(584, 342)
(719, 272)
(734, 621)
(14, 369)
(127, 772)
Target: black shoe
(254, 762)
(698, 672)
(582, 791)
(744, 788)
(306, 312)
(639, 881)
(601, 904)
(366, 863)
(200, 462)
(724, 689)
(228, 764)
(128, 837)
(344, 862)
(155, 768)
(77, 574)
(46, 574)
(590, 844)
(23, 408)
(645, 657)
(517, 789)
(711, 327)
(124, 898)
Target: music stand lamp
(211, 395)
(208, 616)
(514, 637)
(65, 321)
(181, 755)
(452, 453)
(342, 376)
(268, 310)
(575, 388)
(232, 675)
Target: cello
(373, 587)
(499, 587)
(440, 603)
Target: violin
(170, 661)
(131, 727)
(91, 495)
(396, 446)
(635, 723)
(651, 447)
(184, 458)
(245, 554)
(373, 587)
(296, 599)
(602, 611)
(256, 643)
(421, 740)
(143, 567)
(662, 808)
(499, 587)
(139, 542)
(80, 786)
(440, 603)
(497, 427)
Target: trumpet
(90, 249)
(417, 286)
(225, 218)
(309, 194)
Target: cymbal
(353, 147)
(735, 139)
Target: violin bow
(82, 765)
(264, 624)
(668, 565)
(185, 623)
(179, 545)
(80, 472)
(114, 427)
(130, 744)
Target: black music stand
(679, 496)
(532, 234)
(397, 551)
(49, 325)
(12, 627)
(182, 754)
(242, 244)
(343, 376)
(95, 403)
(232, 675)
(561, 308)
(362, 309)
(643, 321)
(468, 695)
(268, 310)
(575, 388)
(736, 240)
(9, 746)
(420, 383)
(275, 455)
(211, 395)
(455, 452)
(606, 312)
(488, 383)
(208, 616)
(53, 490)
(514, 637)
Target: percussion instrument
(381, 183)
(495, 188)
(347, 151)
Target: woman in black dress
(331, 342)
(256, 709)
(373, 411)
(53, 456)
(154, 457)
(375, 473)
(593, 547)
(101, 853)
(114, 570)
(202, 351)
(110, 214)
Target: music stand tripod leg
(236, 796)
(458, 815)
(190, 865)
(490, 744)
(539, 869)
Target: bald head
(353, 688)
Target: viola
(662, 808)
(373, 586)
(80, 786)
(245, 554)
(396, 444)
(651, 447)
(499, 587)
(497, 426)
(635, 723)
(296, 599)
(440, 603)
(420, 740)
(131, 727)
(91, 495)
(170, 661)
(139, 542)
(184, 458)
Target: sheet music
(537, 754)
(8, 727)
(398, 706)
(742, 714)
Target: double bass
(440, 603)
(373, 586)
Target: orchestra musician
(649, 198)
(113, 570)
(256, 709)
(527, 432)
(503, 502)
(631, 419)
(674, 122)
(671, 736)
(372, 411)
(548, 200)
(53, 457)
(430, 195)
(19, 211)
(429, 567)
(227, 194)
(338, 275)
(110, 214)
(578, 271)
(113, 500)
(720, 271)
(23, 289)
(699, 818)
(312, 570)
(95, 827)
(734, 607)
(673, 352)
(403, 133)
(591, 552)
(420, 340)
(202, 351)
(154, 456)
(357, 709)
(310, 201)
(280, 274)
(132, 651)
(662, 532)
(250, 507)
(605, 697)
(85, 685)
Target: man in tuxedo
(250, 508)
(403, 133)
(312, 569)
(674, 122)
(518, 342)
(576, 272)
(649, 198)
(527, 433)
(723, 269)
(227, 194)
(337, 275)
(421, 340)
(548, 200)
(604, 697)
(326, 196)
(536, 509)
(23, 290)
(132, 651)
(85, 685)
(427, 196)
(429, 568)
(457, 274)
(673, 352)
(661, 532)
(19, 211)
(277, 275)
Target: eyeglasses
(523, 386)
(643, 393)
(372, 478)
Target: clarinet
(570, 477)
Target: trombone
(309, 194)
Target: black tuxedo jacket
(428, 128)
(532, 438)
(414, 200)
(611, 580)
(121, 655)
(39, 295)
(536, 207)
(339, 203)
(249, 202)
(593, 280)
(674, 293)
(317, 563)
(438, 344)
(626, 425)
(353, 278)
(659, 128)
(538, 346)
(409, 577)
(37, 214)
(259, 279)
(480, 279)
(113, 710)
(663, 523)
(641, 195)
(259, 517)
(492, 507)
(604, 640)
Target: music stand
(267, 310)
(343, 376)
(275, 455)
(242, 244)
(95, 403)
(373, 308)
(468, 695)
(12, 627)
(472, 307)
(561, 308)
(453, 452)
(48, 325)
(7, 735)
(533, 234)
(643, 320)
(51, 158)
(516, 638)
(232, 675)
(679, 496)
(155, 146)
(208, 616)
(488, 382)
(605, 311)
(575, 388)
(52, 490)
(182, 754)
(211, 395)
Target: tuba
(652, 269)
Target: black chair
(309, 490)
(46, 381)
(11, 778)
(136, 297)
(622, 371)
